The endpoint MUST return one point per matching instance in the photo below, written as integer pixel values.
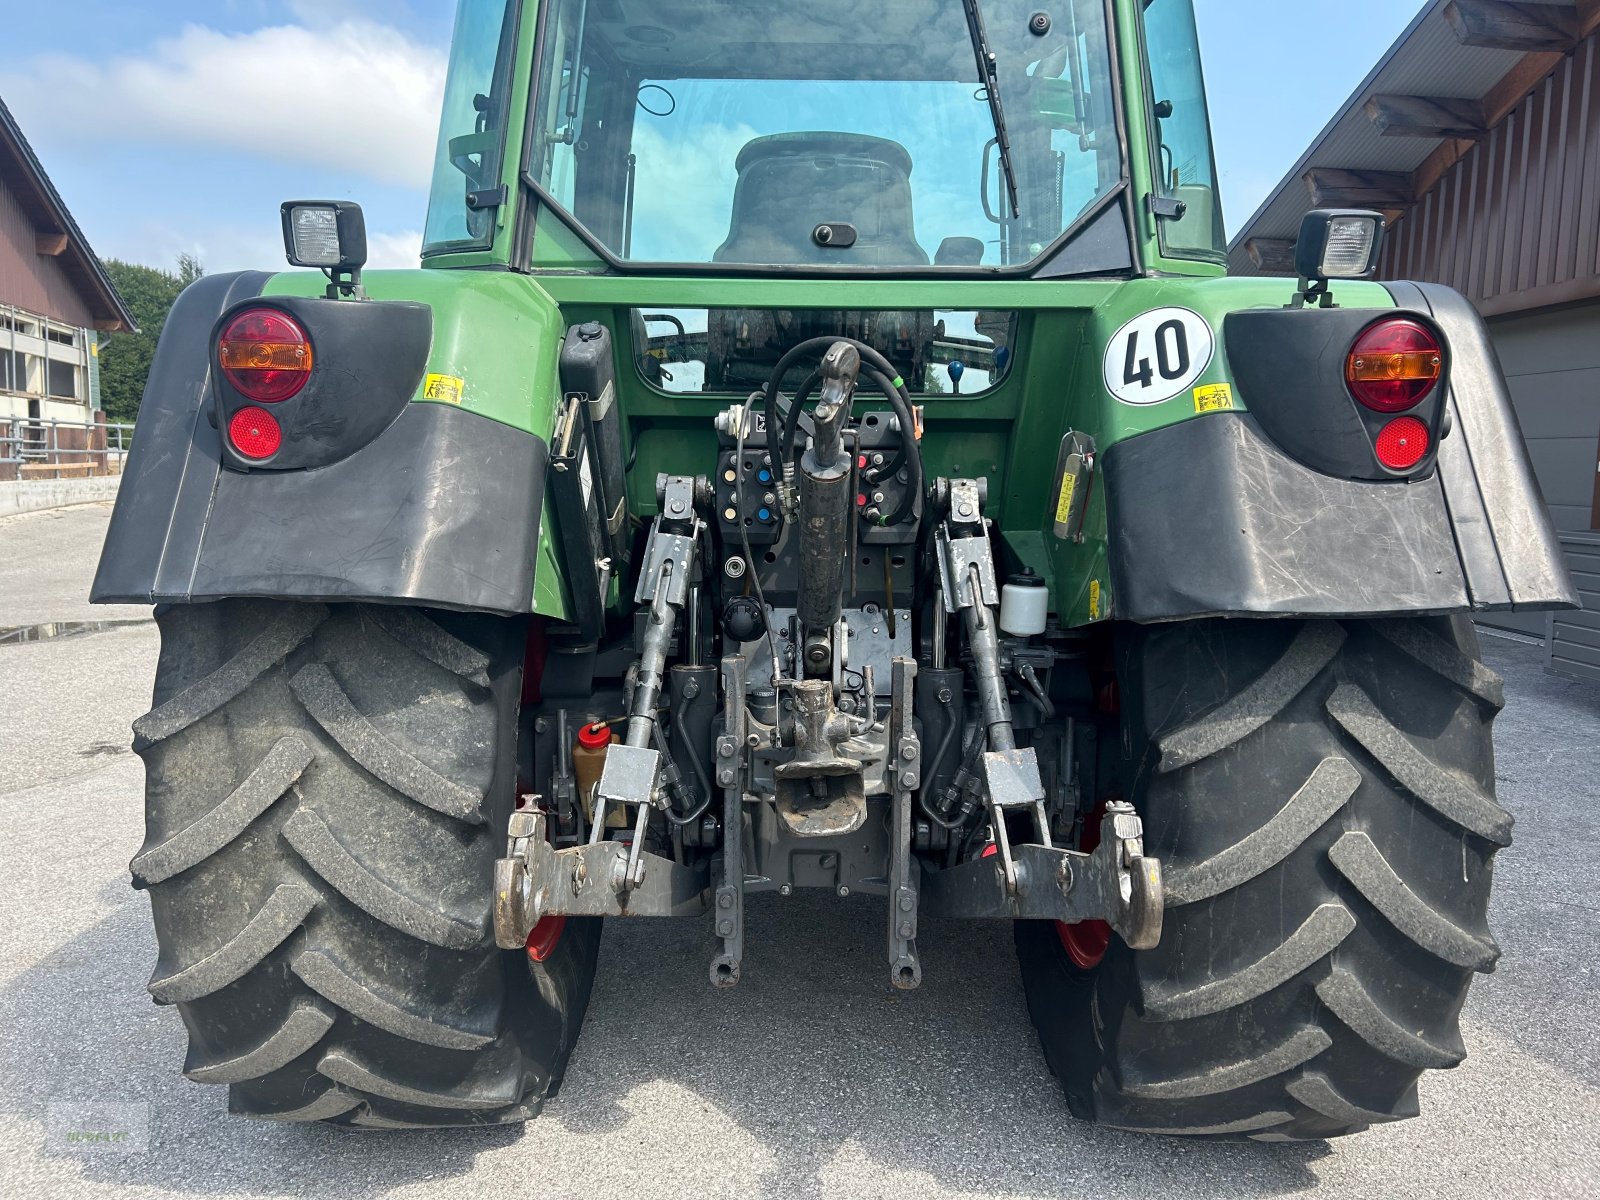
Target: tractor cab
(807, 140)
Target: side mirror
(330, 235)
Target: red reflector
(255, 433)
(265, 355)
(1403, 444)
(1394, 365)
(544, 937)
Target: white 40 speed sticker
(1158, 355)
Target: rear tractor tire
(327, 790)
(1321, 796)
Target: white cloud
(394, 250)
(356, 96)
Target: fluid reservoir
(1024, 605)
(588, 760)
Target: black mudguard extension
(442, 508)
(1211, 518)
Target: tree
(125, 359)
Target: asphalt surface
(812, 1078)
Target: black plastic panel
(1490, 486)
(368, 360)
(176, 454)
(441, 508)
(1289, 365)
(1209, 518)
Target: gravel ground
(812, 1078)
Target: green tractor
(825, 453)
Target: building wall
(39, 306)
(1575, 646)
(1514, 224)
(28, 279)
(1552, 362)
(45, 367)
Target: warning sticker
(443, 387)
(1214, 397)
(1069, 487)
(1094, 599)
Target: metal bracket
(905, 768)
(668, 563)
(534, 880)
(966, 571)
(1116, 884)
(730, 775)
(1011, 780)
(631, 775)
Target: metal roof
(1427, 60)
(46, 207)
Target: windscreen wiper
(989, 74)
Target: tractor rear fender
(1281, 510)
(373, 497)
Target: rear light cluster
(1393, 367)
(267, 358)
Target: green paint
(499, 331)
(500, 334)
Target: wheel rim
(544, 937)
(1086, 942)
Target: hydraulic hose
(791, 420)
(869, 357)
(887, 379)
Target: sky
(179, 126)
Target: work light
(1338, 244)
(329, 234)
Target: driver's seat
(789, 183)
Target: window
(702, 133)
(735, 350)
(473, 127)
(64, 337)
(1180, 133)
(63, 381)
(21, 372)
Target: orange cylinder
(588, 760)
